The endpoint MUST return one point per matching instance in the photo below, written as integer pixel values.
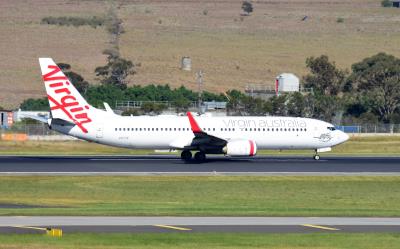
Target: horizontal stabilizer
(35, 117)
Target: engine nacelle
(240, 148)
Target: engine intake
(240, 148)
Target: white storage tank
(287, 82)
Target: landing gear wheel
(316, 157)
(186, 155)
(200, 156)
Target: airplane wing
(201, 139)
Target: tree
(153, 108)
(41, 104)
(117, 68)
(234, 104)
(115, 72)
(324, 77)
(181, 104)
(279, 105)
(326, 107)
(377, 78)
(296, 105)
(76, 79)
(386, 3)
(247, 7)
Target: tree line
(369, 93)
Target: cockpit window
(331, 128)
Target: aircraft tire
(186, 155)
(200, 156)
(316, 157)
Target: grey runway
(71, 224)
(172, 165)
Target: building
(6, 118)
(284, 83)
(396, 3)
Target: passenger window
(116, 129)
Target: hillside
(232, 50)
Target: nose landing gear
(316, 156)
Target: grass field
(208, 196)
(231, 49)
(356, 146)
(205, 240)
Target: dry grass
(232, 52)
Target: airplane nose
(343, 137)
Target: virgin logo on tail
(68, 103)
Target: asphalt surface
(197, 224)
(172, 165)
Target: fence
(370, 128)
(30, 130)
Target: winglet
(193, 124)
(108, 108)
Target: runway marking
(28, 227)
(131, 159)
(205, 173)
(173, 227)
(321, 227)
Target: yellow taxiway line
(173, 227)
(321, 227)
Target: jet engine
(240, 148)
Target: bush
(130, 112)
(93, 22)
(35, 105)
(340, 20)
(247, 7)
(386, 3)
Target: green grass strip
(203, 196)
(205, 240)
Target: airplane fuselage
(170, 132)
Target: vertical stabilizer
(66, 103)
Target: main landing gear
(186, 156)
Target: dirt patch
(232, 50)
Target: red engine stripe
(251, 148)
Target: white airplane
(231, 136)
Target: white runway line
(209, 173)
